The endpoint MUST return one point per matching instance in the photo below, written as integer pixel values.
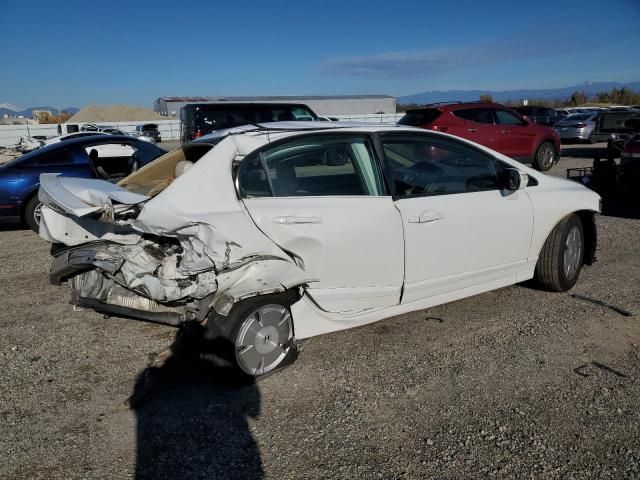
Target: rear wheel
(33, 213)
(562, 255)
(257, 334)
(545, 157)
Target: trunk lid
(83, 196)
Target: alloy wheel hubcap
(264, 339)
(546, 156)
(37, 213)
(572, 253)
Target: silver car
(578, 126)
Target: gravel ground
(513, 383)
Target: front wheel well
(587, 217)
(25, 202)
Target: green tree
(486, 98)
(578, 98)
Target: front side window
(507, 118)
(312, 167)
(422, 166)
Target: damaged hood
(82, 196)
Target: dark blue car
(110, 157)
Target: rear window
(417, 118)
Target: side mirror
(513, 179)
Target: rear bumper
(571, 133)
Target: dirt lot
(512, 383)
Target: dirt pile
(114, 113)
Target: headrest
(182, 166)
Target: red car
(494, 126)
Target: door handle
(427, 217)
(472, 130)
(506, 131)
(295, 220)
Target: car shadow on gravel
(6, 227)
(192, 416)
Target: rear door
(477, 125)
(517, 135)
(322, 199)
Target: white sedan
(276, 233)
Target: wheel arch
(587, 218)
(25, 200)
(258, 278)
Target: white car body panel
(474, 242)
(82, 196)
(455, 238)
(352, 244)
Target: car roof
(458, 105)
(285, 129)
(90, 140)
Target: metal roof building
(325, 105)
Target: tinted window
(312, 167)
(421, 166)
(417, 118)
(507, 118)
(477, 115)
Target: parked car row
(492, 125)
(147, 131)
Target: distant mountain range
(12, 110)
(589, 88)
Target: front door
(517, 135)
(461, 229)
(322, 200)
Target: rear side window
(477, 115)
(417, 118)
(312, 167)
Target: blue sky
(76, 53)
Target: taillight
(439, 129)
(198, 134)
(577, 125)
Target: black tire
(30, 209)
(592, 140)
(553, 270)
(545, 157)
(223, 334)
